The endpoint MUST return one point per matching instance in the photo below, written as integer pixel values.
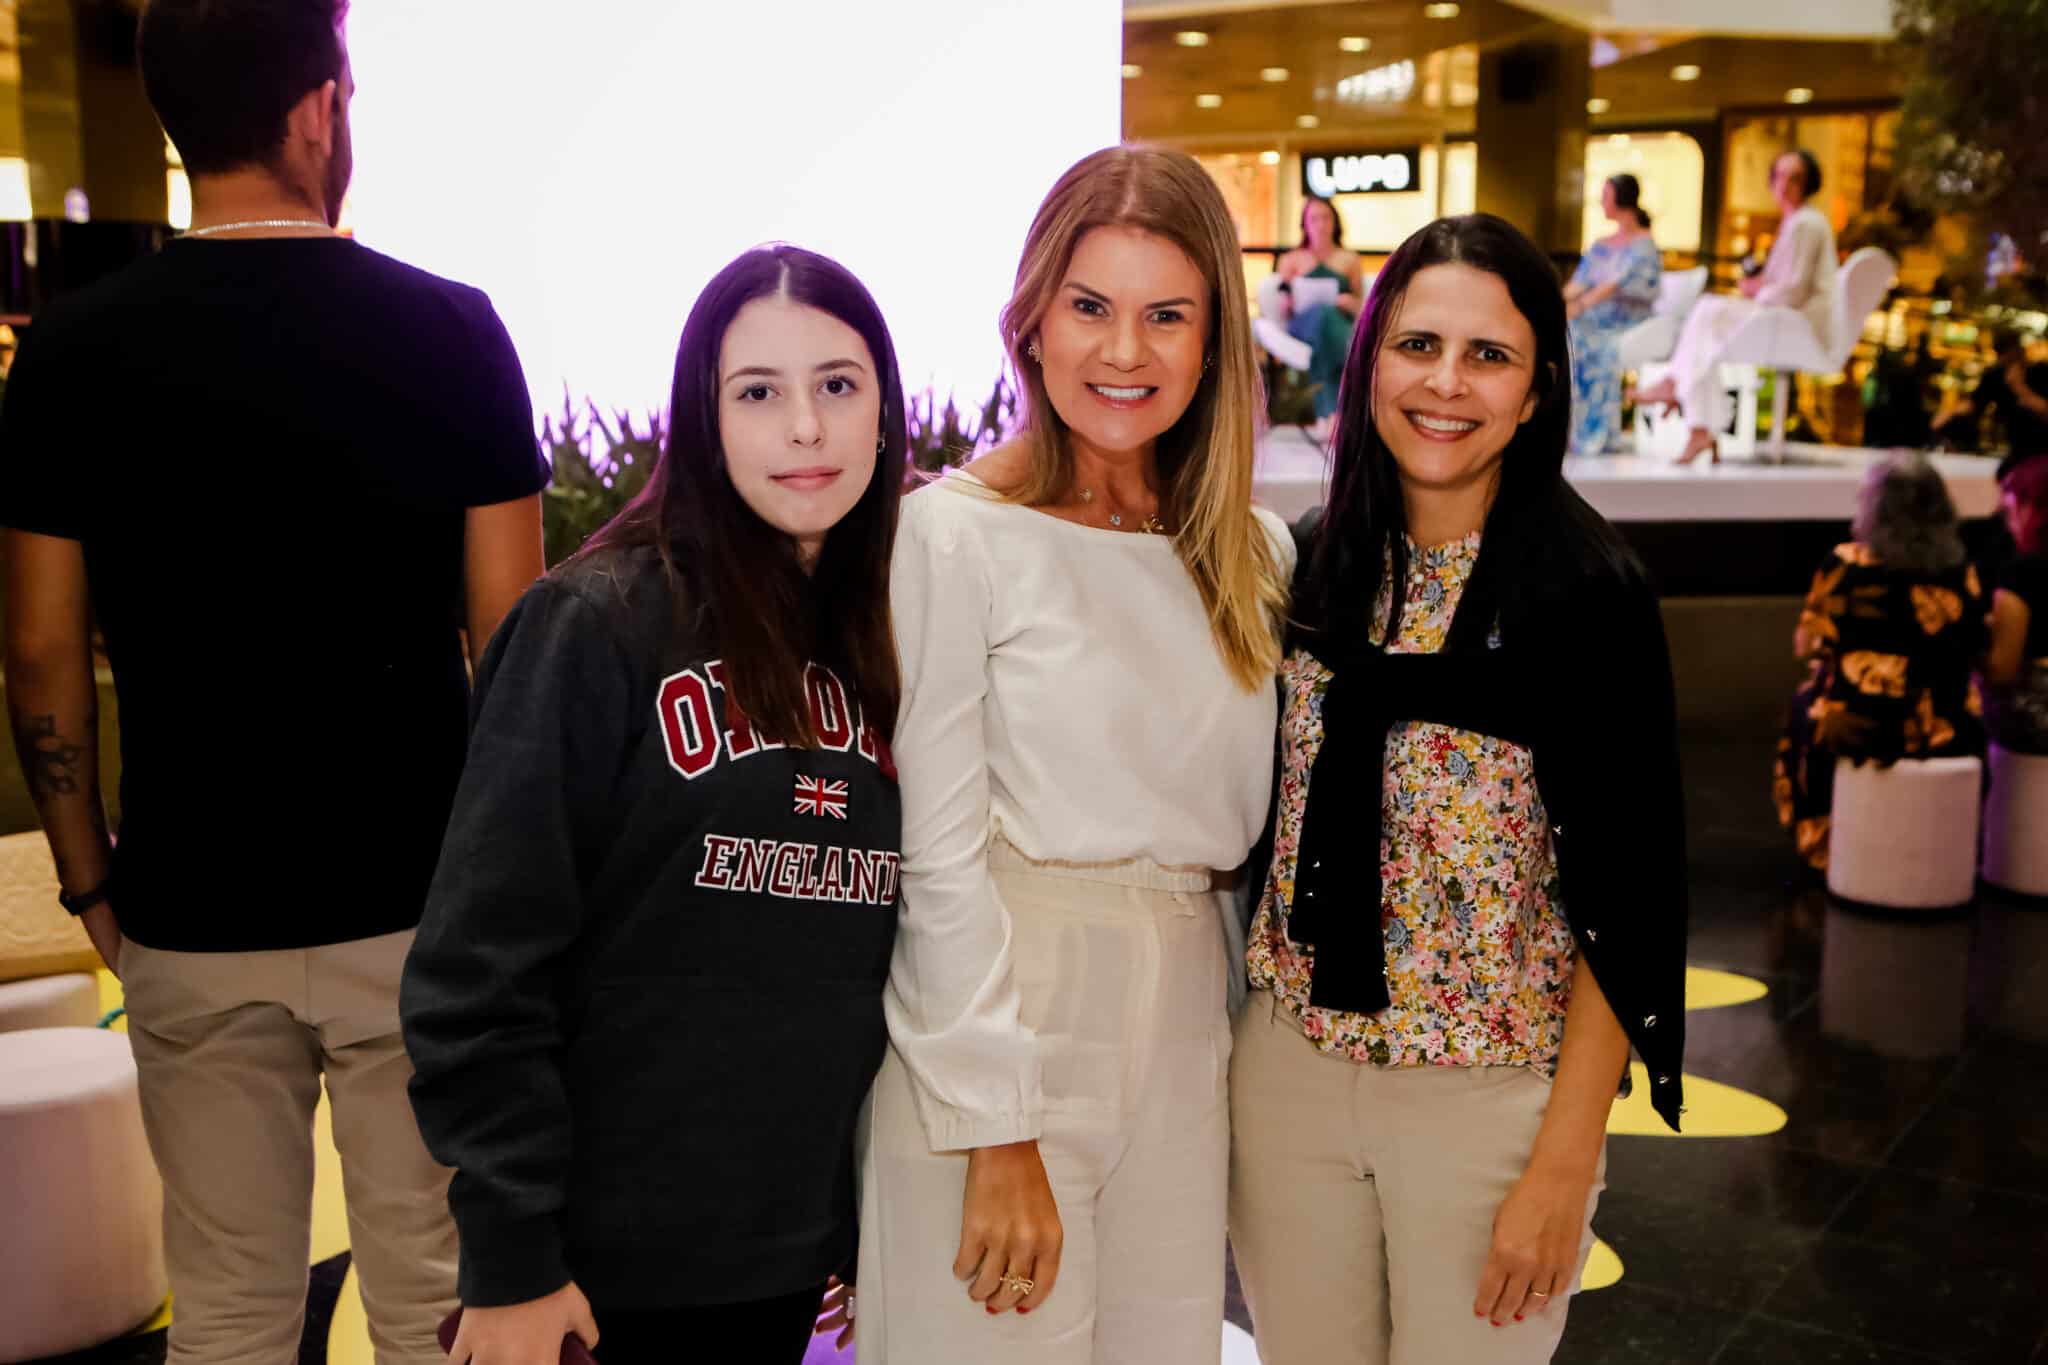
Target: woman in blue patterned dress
(1614, 288)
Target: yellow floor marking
(1706, 989)
(1603, 1268)
(348, 1339)
(1712, 1110)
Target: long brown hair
(1205, 459)
(738, 578)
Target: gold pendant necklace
(1151, 525)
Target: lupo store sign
(1379, 172)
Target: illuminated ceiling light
(1191, 37)
(1307, 121)
(1687, 72)
(1355, 44)
(1275, 74)
(1444, 10)
(1269, 158)
(1596, 105)
(1132, 71)
(1208, 101)
(1799, 94)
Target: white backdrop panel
(591, 165)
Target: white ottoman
(2012, 941)
(1902, 883)
(68, 1001)
(2016, 823)
(82, 1259)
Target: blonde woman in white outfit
(1798, 276)
(1087, 624)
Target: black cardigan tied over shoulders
(1583, 681)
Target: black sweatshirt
(645, 1003)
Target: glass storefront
(1673, 172)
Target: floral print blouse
(1479, 956)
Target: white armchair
(1780, 339)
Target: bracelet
(78, 905)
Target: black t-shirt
(2025, 431)
(266, 448)
(2027, 579)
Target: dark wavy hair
(736, 576)
(1541, 538)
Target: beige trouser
(231, 1048)
(1124, 986)
(1362, 1201)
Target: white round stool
(2012, 945)
(1902, 883)
(82, 1261)
(68, 1001)
(2016, 823)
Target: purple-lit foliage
(601, 462)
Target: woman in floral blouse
(1893, 629)
(1420, 1086)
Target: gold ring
(1019, 1283)
(1538, 1294)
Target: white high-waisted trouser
(1696, 363)
(1123, 972)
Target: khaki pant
(230, 1050)
(1362, 1201)
(1124, 986)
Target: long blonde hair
(1205, 458)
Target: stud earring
(1037, 356)
(1208, 363)
(881, 446)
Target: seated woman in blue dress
(1325, 328)
(1614, 288)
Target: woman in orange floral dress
(1892, 633)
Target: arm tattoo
(49, 761)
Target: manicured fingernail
(1021, 1309)
(991, 1310)
(1477, 1314)
(1518, 1317)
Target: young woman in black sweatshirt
(645, 1003)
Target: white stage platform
(1818, 483)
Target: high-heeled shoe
(1694, 446)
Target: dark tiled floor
(1902, 1214)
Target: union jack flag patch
(816, 796)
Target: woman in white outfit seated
(1799, 276)
(1088, 624)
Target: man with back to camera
(285, 473)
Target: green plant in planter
(589, 485)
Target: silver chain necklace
(259, 223)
